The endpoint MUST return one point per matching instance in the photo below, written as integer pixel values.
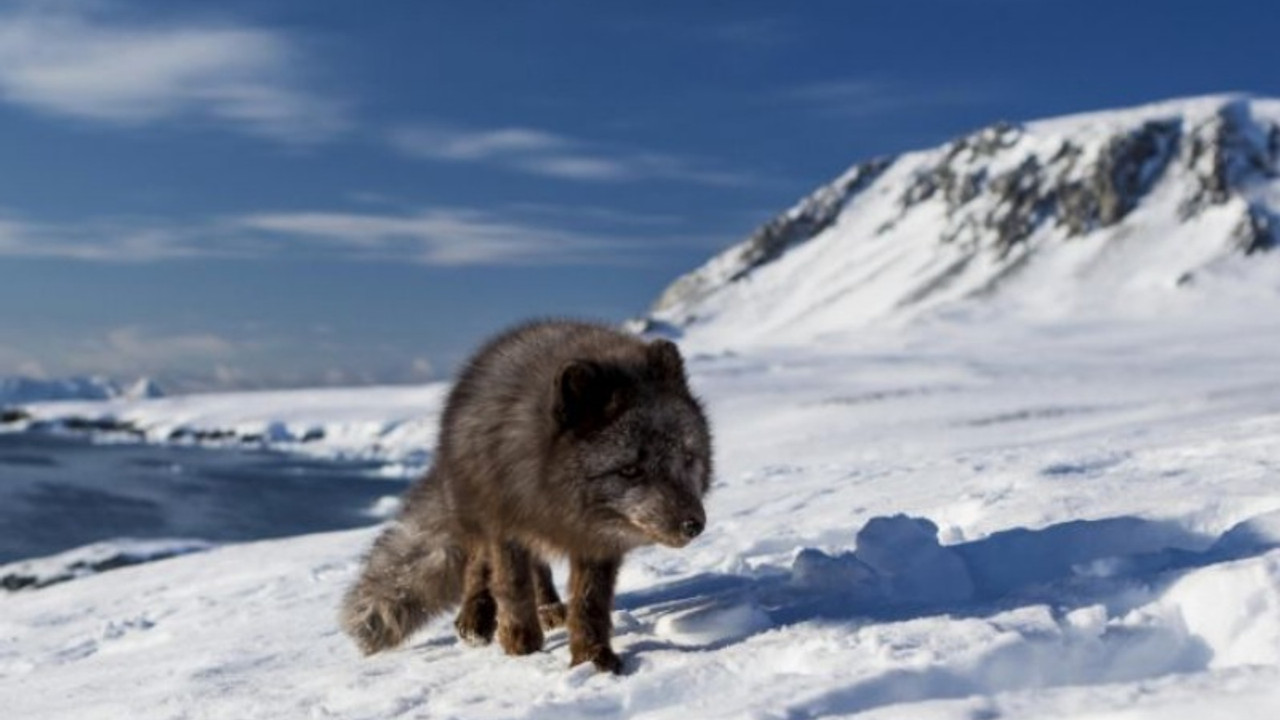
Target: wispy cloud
(540, 152)
(20, 238)
(516, 234)
(132, 346)
(114, 240)
(436, 142)
(82, 61)
(433, 236)
(867, 98)
(124, 352)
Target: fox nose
(692, 528)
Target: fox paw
(474, 631)
(602, 656)
(477, 622)
(551, 616)
(520, 638)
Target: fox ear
(664, 358)
(586, 395)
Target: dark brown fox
(559, 439)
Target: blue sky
(292, 192)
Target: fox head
(640, 445)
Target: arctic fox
(558, 439)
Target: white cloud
(422, 369)
(106, 240)
(84, 63)
(131, 346)
(571, 167)
(437, 142)
(124, 352)
(432, 236)
(513, 235)
(867, 98)
(547, 154)
(15, 362)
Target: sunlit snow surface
(955, 520)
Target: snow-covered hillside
(394, 423)
(1143, 211)
(954, 521)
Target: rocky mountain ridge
(1091, 205)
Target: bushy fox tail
(412, 573)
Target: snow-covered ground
(391, 423)
(955, 519)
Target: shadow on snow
(899, 572)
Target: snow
(932, 500)
(956, 519)
(390, 423)
(92, 558)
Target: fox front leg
(591, 584)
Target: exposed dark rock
(986, 142)
(200, 434)
(106, 424)
(1126, 169)
(811, 217)
(1257, 232)
(1226, 153)
(19, 580)
(13, 415)
(960, 186)
(1021, 206)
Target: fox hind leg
(512, 585)
(551, 611)
(478, 617)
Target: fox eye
(630, 472)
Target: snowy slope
(957, 520)
(1147, 211)
(395, 423)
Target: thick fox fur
(558, 439)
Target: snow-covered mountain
(20, 390)
(1139, 210)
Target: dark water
(57, 493)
